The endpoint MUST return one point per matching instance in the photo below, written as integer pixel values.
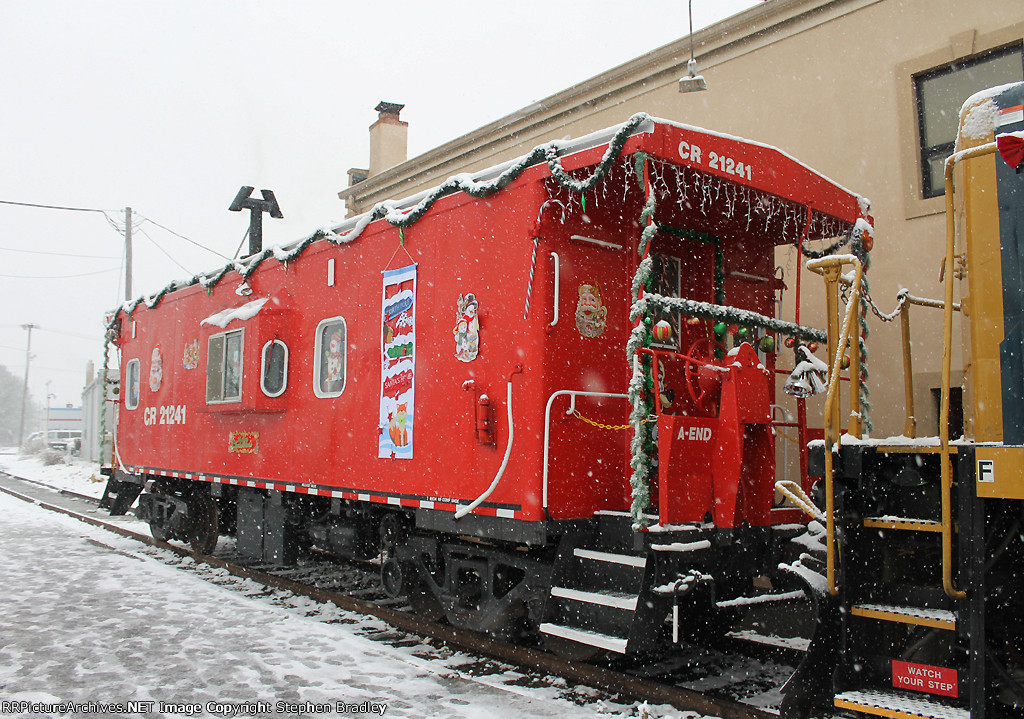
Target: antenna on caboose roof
(256, 208)
(692, 82)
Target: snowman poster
(398, 353)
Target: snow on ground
(75, 475)
(94, 617)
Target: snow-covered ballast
(583, 336)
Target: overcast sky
(169, 107)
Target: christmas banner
(398, 366)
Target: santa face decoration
(156, 370)
(591, 315)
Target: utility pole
(127, 254)
(48, 395)
(24, 391)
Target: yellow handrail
(829, 268)
(910, 426)
(947, 361)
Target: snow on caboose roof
(402, 213)
(245, 312)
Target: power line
(176, 234)
(57, 277)
(51, 207)
(146, 235)
(58, 254)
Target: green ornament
(720, 328)
(767, 344)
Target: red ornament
(662, 331)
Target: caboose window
(274, 370)
(329, 358)
(224, 367)
(665, 281)
(133, 380)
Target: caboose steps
(627, 560)
(600, 592)
(899, 705)
(583, 636)
(607, 598)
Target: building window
(224, 368)
(133, 381)
(940, 94)
(274, 368)
(329, 357)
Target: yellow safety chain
(577, 414)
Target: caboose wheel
(158, 531)
(393, 577)
(203, 524)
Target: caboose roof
(779, 175)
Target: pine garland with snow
(722, 313)
(389, 211)
(854, 239)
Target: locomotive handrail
(947, 361)
(829, 268)
(907, 299)
(547, 428)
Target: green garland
(390, 212)
(854, 239)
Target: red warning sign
(924, 678)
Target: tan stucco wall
(829, 83)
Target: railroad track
(321, 580)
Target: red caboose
(568, 358)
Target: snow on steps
(607, 598)
(938, 618)
(624, 559)
(584, 636)
(898, 705)
(904, 523)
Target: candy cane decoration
(536, 242)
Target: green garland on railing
(854, 239)
(721, 313)
(641, 384)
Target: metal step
(937, 618)
(583, 636)
(624, 559)
(904, 523)
(898, 705)
(616, 600)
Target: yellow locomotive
(923, 612)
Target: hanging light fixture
(692, 82)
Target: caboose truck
(925, 608)
(542, 394)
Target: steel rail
(524, 657)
